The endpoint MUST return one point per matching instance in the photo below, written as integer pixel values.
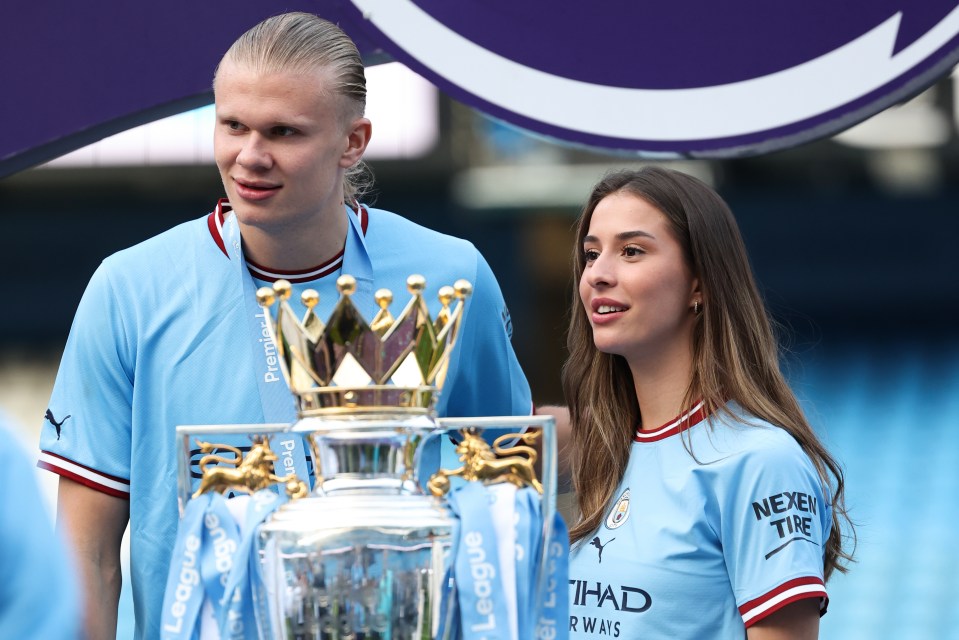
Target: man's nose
(254, 154)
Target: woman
(708, 507)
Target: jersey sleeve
(775, 523)
(485, 378)
(86, 431)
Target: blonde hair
(736, 354)
(301, 42)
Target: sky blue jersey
(703, 545)
(39, 599)
(162, 338)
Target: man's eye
(283, 132)
(234, 125)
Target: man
(168, 332)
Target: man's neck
(293, 247)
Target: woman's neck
(661, 384)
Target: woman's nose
(599, 273)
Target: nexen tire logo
(675, 78)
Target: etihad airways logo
(607, 598)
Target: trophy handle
(490, 465)
(249, 473)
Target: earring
(697, 305)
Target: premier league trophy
(380, 549)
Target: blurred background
(853, 240)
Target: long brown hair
(735, 352)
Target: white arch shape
(735, 109)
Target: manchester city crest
(620, 512)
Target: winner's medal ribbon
(475, 567)
(275, 398)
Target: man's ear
(357, 139)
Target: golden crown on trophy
(348, 365)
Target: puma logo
(53, 421)
(595, 542)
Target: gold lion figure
(249, 473)
(487, 464)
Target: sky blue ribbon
(206, 539)
(276, 398)
(476, 566)
(529, 530)
(237, 617)
(221, 539)
(553, 622)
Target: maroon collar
(677, 425)
(267, 274)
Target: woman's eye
(590, 254)
(631, 252)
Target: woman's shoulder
(736, 434)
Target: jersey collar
(682, 422)
(359, 218)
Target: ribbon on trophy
(203, 557)
(476, 567)
(496, 554)
(553, 622)
(214, 562)
(238, 611)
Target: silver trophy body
(365, 555)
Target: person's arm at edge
(93, 523)
(796, 621)
(563, 431)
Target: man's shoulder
(169, 244)
(396, 228)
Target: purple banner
(680, 78)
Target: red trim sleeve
(102, 482)
(786, 593)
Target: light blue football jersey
(162, 338)
(702, 545)
(39, 599)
